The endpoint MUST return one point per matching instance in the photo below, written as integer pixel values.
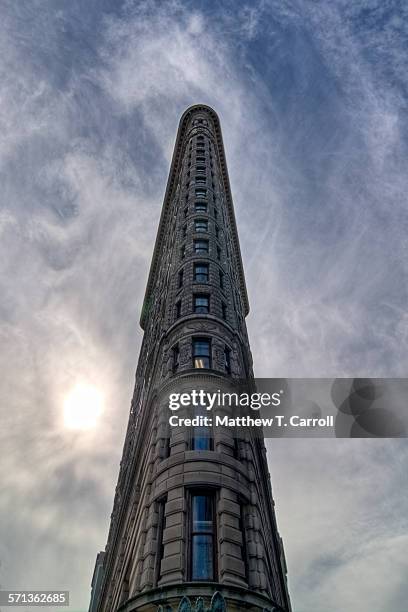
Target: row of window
(201, 207)
(201, 274)
(201, 305)
(201, 353)
(200, 227)
(200, 247)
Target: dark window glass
(160, 531)
(215, 212)
(202, 439)
(221, 279)
(178, 309)
(227, 357)
(218, 252)
(200, 137)
(200, 180)
(176, 357)
(201, 193)
(183, 251)
(201, 353)
(224, 311)
(186, 211)
(200, 160)
(201, 225)
(201, 273)
(200, 169)
(200, 207)
(201, 304)
(180, 279)
(217, 231)
(202, 537)
(201, 246)
(184, 231)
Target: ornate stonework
(148, 562)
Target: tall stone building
(193, 525)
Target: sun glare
(82, 407)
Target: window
(201, 272)
(180, 279)
(201, 193)
(201, 353)
(227, 360)
(200, 137)
(175, 357)
(218, 252)
(200, 160)
(200, 207)
(186, 212)
(221, 273)
(201, 225)
(201, 304)
(202, 439)
(178, 309)
(200, 169)
(202, 536)
(200, 180)
(217, 231)
(201, 246)
(224, 310)
(184, 231)
(215, 212)
(183, 251)
(161, 526)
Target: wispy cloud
(312, 98)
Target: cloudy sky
(312, 97)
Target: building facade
(193, 525)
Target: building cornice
(170, 192)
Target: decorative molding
(169, 196)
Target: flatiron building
(193, 524)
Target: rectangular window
(201, 353)
(217, 231)
(183, 251)
(180, 279)
(215, 212)
(186, 212)
(202, 439)
(201, 272)
(221, 273)
(184, 231)
(201, 246)
(201, 225)
(224, 310)
(201, 193)
(200, 160)
(161, 526)
(200, 180)
(176, 357)
(202, 536)
(201, 304)
(200, 169)
(178, 309)
(227, 359)
(218, 252)
(200, 207)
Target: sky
(312, 98)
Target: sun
(83, 407)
